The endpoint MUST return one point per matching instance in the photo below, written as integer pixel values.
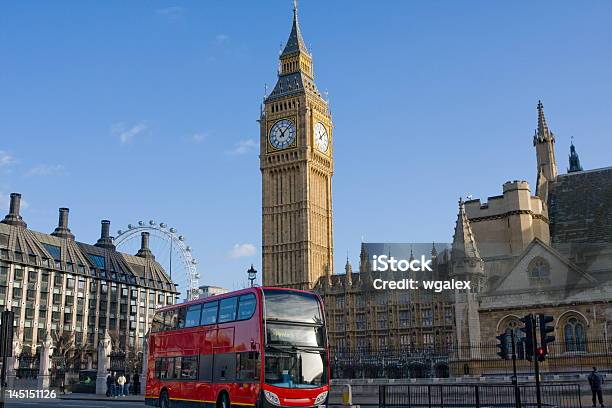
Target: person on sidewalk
(126, 386)
(109, 385)
(136, 384)
(120, 384)
(596, 381)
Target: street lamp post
(252, 272)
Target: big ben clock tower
(296, 162)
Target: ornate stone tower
(466, 264)
(296, 162)
(544, 142)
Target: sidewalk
(96, 397)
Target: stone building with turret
(54, 283)
(546, 252)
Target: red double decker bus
(264, 347)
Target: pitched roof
(580, 207)
(295, 42)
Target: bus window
(246, 307)
(164, 367)
(247, 365)
(166, 316)
(209, 313)
(171, 319)
(158, 322)
(176, 371)
(193, 316)
(224, 366)
(180, 321)
(189, 368)
(227, 309)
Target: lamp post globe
(252, 272)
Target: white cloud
(243, 147)
(173, 13)
(242, 250)
(198, 137)
(46, 170)
(221, 38)
(6, 159)
(127, 133)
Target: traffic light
(503, 346)
(545, 339)
(529, 339)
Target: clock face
(282, 134)
(321, 138)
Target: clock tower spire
(296, 163)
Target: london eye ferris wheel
(170, 250)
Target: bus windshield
(294, 368)
(295, 354)
(292, 306)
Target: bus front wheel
(164, 401)
(223, 401)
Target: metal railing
(478, 396)
(441, 361)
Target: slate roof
(293, 84)
(21, 245)
(295, 43)
(580, 207)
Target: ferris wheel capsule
(194, 261)
(162, 224)
(119, 232)
(130, 226)
(181, 238)
(188, 248)
(151, 222)
(141, 223)
(172, 230)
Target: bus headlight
(321, 398)
(273, 398)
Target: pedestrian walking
(120, 384)
(136, 384)
(109, 385)
(596, 381)
(126, 386)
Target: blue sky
(147, 110)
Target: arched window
(513, 327)
(539, 270)
(575, 335)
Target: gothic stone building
(549, 251)
(54, 283)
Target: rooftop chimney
(105, 241)
(13, 217)
(144, 251)
(62, 230)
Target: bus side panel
(203, 389)
(247, 338)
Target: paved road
(56, 403)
